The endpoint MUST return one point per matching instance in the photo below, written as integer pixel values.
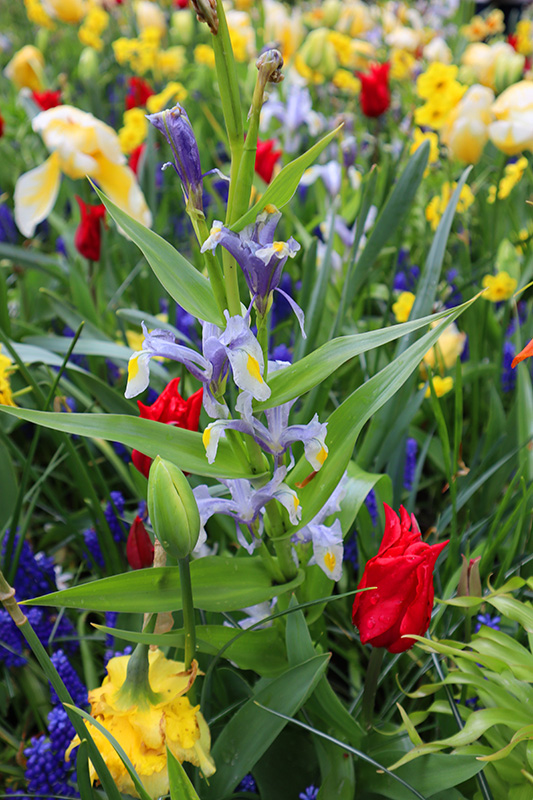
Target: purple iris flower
(260, 257)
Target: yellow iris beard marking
(206, 437)
(278, 246)
(133, 368)
(322, 455)
(330, 561)
(270, 209)
(253, 368)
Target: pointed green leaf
(180, 786)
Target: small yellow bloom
(403, 305)
(149, 15)
(146, 731)
(499, 287)
(37, 14)
(444, 354)
(6, 397)
(419, 137)
(495, 22)
(204, 54)
(476, 31)
(437, 205)
(26, 69)
(90, 39)
(402, 64)
(171, 61)
(343, 79)
(437, 79)
(65, 10)
(134, 131)
(174, 92)
(441, 386)
(524, 37)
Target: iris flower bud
(469, 580)
(172, 508)
(175, 126)
(206, 11)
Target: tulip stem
(188, 611)
(371, 685)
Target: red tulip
(139, 547)
(1, 126)
(525, 353)
(88, 238)
(375, 94)
(135, 157)
(47, 99)
(402, 571)
(138, 93)
(266, 159)
(172, 409)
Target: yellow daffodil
(133, 133)
(437, 79)
(419, 137)
(66, 10)
(345, 80)
(26, 69)
(498, 287)
(512, 175)
(444, 354)
(80, 145)
(6, 397)
(437, 206)
(37, 14)
(145, 725)
(402, 63)
(477, 30)
(441, 386)
(403, 305)
(467, 128)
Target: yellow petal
(35, 195)
(120, 184)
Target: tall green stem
(371, 685)
(188, 611)
(213, 269)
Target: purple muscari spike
(8, 229)
(351, 551)
(371, 507)
(121, 451)
(46, 773)
(11, 642)
(93, 546)
(61, 731)
(310, 793)
(490, 622)
(70, 678)
(113, 513)
(35, 573)
(247, 784)
(260, 257)
(110, 622)
(508, 377)
(109, 654)
(174, 124)
(411, 449)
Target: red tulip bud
(139, 547)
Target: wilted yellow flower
(174, 92)
(441, 386)
(148, 725)
(80, 145)
(444, 354)
(499, 287)
(6, 397)
(403, 305)
(26, 68)
(66, 10)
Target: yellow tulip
(80, 146)
(444, 354)
(25, 69)
(65, 10)
(482, 60)
(149, 15)
(467, 129)
(512, 132)
(145, 730)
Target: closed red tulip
(171, 409)
(138, 93)
(47, 99)
(402, 573)
(139, 547)
(266, 159)
(375, 93)
(88, 237)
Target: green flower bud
(88, 65)
(331, 10)
(318, 53)
(469, 580)
(172, 509)
(508, 70)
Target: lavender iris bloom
(326, 539)
(293, 114)
(246, 506)
(236, 347)
(175, 126)
(259, 256)
(276, 436)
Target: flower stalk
(371, 685)
(188, 610)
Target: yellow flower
(145, 730)
(174, 92)
(476, 31)
(80, 145)
(65, 10)
(524, 37)
(441, 386)
(149, 15)
(90, 39)
(437, 79)
(512, 175)
(512, 131)
(499, 287)
(482, 60)
(419, 137)
(134, 131)
(403, 305)
(96, 20)
(467, 127)
(437, 206)
(204, 54)
(170, 62)
(345, 80)
(37, 14)
(495, 22)
(26, 68)
(124, 49)
(283, 26)
(6, 398)
(444, 354)
(402, 63)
